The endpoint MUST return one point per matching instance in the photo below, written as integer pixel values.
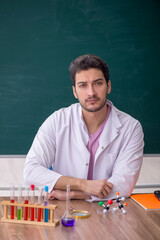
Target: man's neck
(94, 120)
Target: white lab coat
(61, 142)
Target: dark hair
(86, 62)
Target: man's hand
(58, 194)
(61, 195)
(99, 188)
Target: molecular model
(117, 200)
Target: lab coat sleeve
(127, 165)
(39, 159)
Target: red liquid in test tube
(39, 214)
(12, 196)
(32, 214)
(26, 210)
(12, 209)
(32, 202)
(26, 201)
(39, 210)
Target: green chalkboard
(39, 39)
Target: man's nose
(91, 91)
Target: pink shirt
(93, 144)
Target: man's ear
(109, 87)
(74, 91)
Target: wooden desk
(137, 224)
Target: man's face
(91, 89)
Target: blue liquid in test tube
(46, 203)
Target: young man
(91, 145)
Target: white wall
(11, 171)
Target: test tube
(12, 197)
(19, 200)
(26, 201)
(46, 203)
(39, 210)
(32, 202)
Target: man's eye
(82, 85)
(98, 83)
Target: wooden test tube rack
(7, 218)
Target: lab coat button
(102, 147)
(86, 164)
(118, 132)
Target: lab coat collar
(113, 113)
(111, 129)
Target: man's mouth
(92, 100)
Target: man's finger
(109, 184)
(105, 193)
(108, 189)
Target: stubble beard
(96, 109)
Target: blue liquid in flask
(68, 221)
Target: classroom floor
(11, 171)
